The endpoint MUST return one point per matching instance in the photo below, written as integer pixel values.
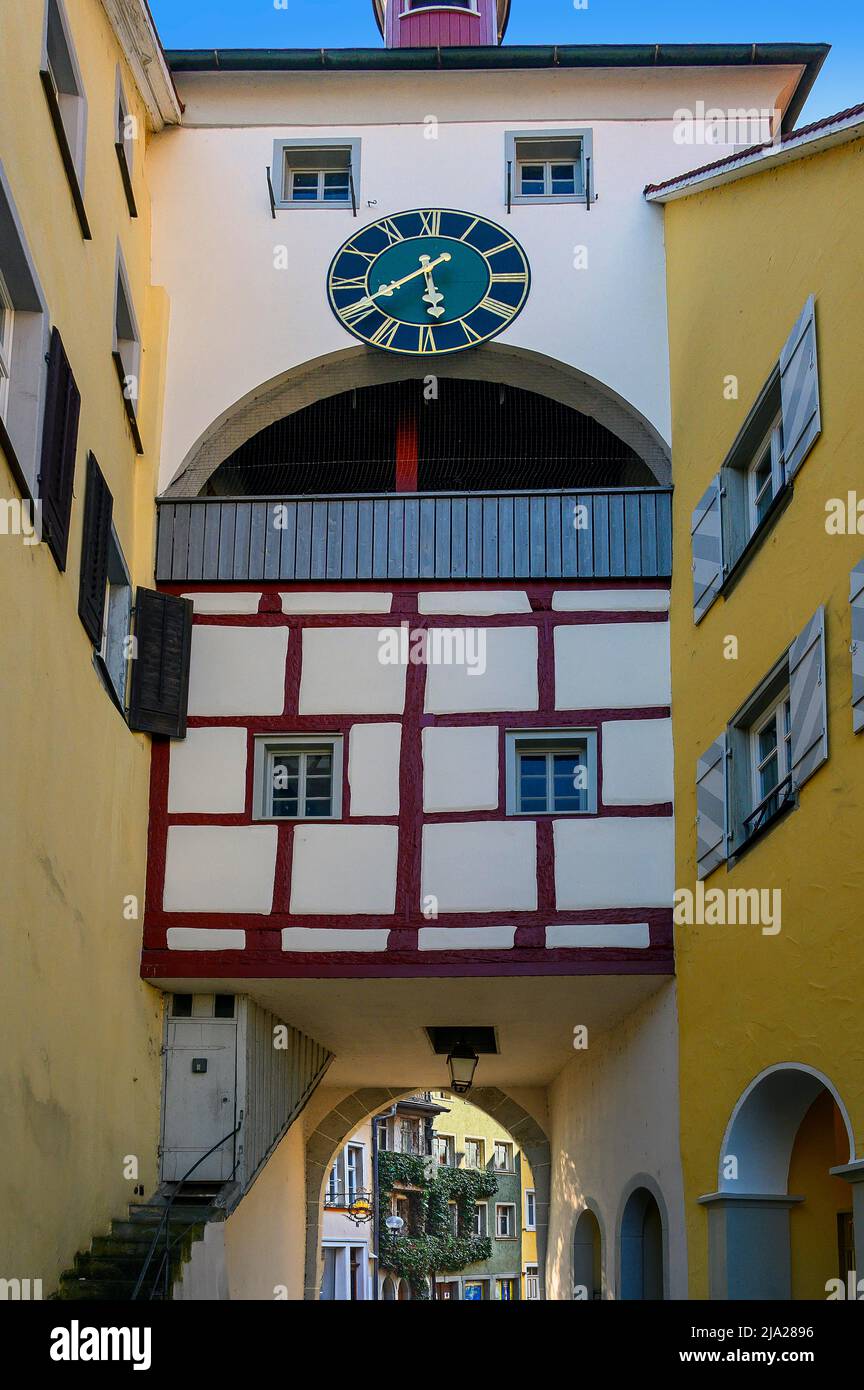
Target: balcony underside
(376, 1028)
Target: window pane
(767, 740)
(336, 188)
(305, 187)
(533, 180)
(768, 777)
(318, 763)
(564, 179)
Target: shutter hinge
(853, 648)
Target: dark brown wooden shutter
(160, 671)
(98, 509)
(59, 444)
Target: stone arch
(749, 1230)
(339, 1124)
(336, 372)
(763, 1125)
(643, 1241)
(588, 1249)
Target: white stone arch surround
(642, 1182)
(762, 1128)
(336, 372)
(331, 1132)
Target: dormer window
(440, 5)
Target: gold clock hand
(433, 296)
(397, 284)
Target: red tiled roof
(787, 139)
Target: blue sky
(349, 23)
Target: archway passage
(347, 374)
(335, 1128)
(641, 1248)
(587, 1258)
(781, 1226)
(429, 436)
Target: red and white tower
(441, 23)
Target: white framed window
(409, 5)
(61, 76)
(298, 777)
(549, 166)
(551, 771)
(506, 1290)
(765, 474)
(771, 745)
(334, 1185)
(316, 173)
(353, 1171)
(444, 1148)
(115, 649)
(532, 1282)
(25, 334)
(505, 1220)
(481, 1219)
(126, 345)
(530, 1209)
(475, 1153)
(124, 141)
(503, 1157)
(7, 326)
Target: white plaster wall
(603, 665)
(475, 601)
(265, 1235)
(373, 769)
(336, 601)
(214, 240)
(614, 861)
(228, 602)
(344, 868)
(509, 680)
(610, 600)
(614, 1115)
(637, 762)
(460, 769)
(207, 772)
(481, 866)
(204, 1277)
(342, 673)
(237, 670)
(220, 868)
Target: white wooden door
(200, 1098)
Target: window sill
(127, 403)
(126, 176)
(301, 206)
(766, 525)
(66, 154)
(541, 199)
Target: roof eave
(136, 33)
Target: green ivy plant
(428, 1245)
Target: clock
(428, 282)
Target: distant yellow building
(766, 320)
(82, 338)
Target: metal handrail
(769, 806)
(165, 1220)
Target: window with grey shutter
(807, 697)
(706, 533)
(160, 669)
(856, 599)
(98, 508)
(799, 390)
(711, 808)
(59, 445)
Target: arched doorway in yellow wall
(587, 1258)
(781, 1222)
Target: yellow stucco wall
(742, 259)
(80, 1032)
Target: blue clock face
(429, 281)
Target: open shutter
(807, 699)
(160, 671)
(712, 800)
(799, 390)
(856, 599)
(59, 444)
(706, 533)
(98, 509)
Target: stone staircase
(109, 1270)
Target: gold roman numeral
(427, 338)
(502, 246)
(344, 282)
(383, 336)
(513, 277)
(495, 306)
(390, 230)
(431, 223)
(368, 256)
(356, 313)
(469, 229)
(470, 333)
